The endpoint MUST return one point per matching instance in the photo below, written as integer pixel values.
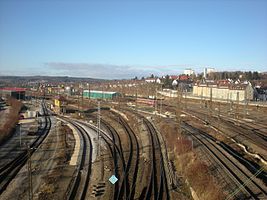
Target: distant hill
(23, 80)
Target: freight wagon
(150, 102)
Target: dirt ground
(49, 168)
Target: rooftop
(100, 92)
(14, 89)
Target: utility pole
(161, 101)
(245, 104)
(230, 104)
(210, 114)
(179, 107)
(79, 101)
(79, 93)
(219, 113)
(20, 135)
(44, 93)
(237, 106)
(201, 97)
(36, 98)
(136, 98)
(185, 99)
(98, 128)
(82, 98)
(30, 174)
(31, 96)
(88, 85)
(156, 103)
(180, 110)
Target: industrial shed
(95, 94)
(17, 93)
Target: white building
(189, 72)
(153, 80)
(233, 92)
(169, 93)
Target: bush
(189, 165)
(11, 119)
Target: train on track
(151, 101)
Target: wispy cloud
(108, 70)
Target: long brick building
(224, 90)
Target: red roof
(183, 77)
(174, 77)
(14, 89)
(223, 81)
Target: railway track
(247, 183)
(132, 163)
(118, 153)
(254, 129)
(9, 171)
(129, 162)
(158, 186)
(253, 136)
(241, 129)
(259, 128)
(112, 139)
(250, 165)
(79, 186)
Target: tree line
(248, 75)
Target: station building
(17, 93)
(96, 94)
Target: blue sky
(121, 39)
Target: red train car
(150, 102)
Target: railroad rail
(132, 161)
(115, 149)
(79, 185)
(251, 166)
(247, 182)
(9, 171)
(126, 189)
(158, 190)
(155, 188)
(254, 136)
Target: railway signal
(161, 98)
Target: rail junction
(129, 144)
